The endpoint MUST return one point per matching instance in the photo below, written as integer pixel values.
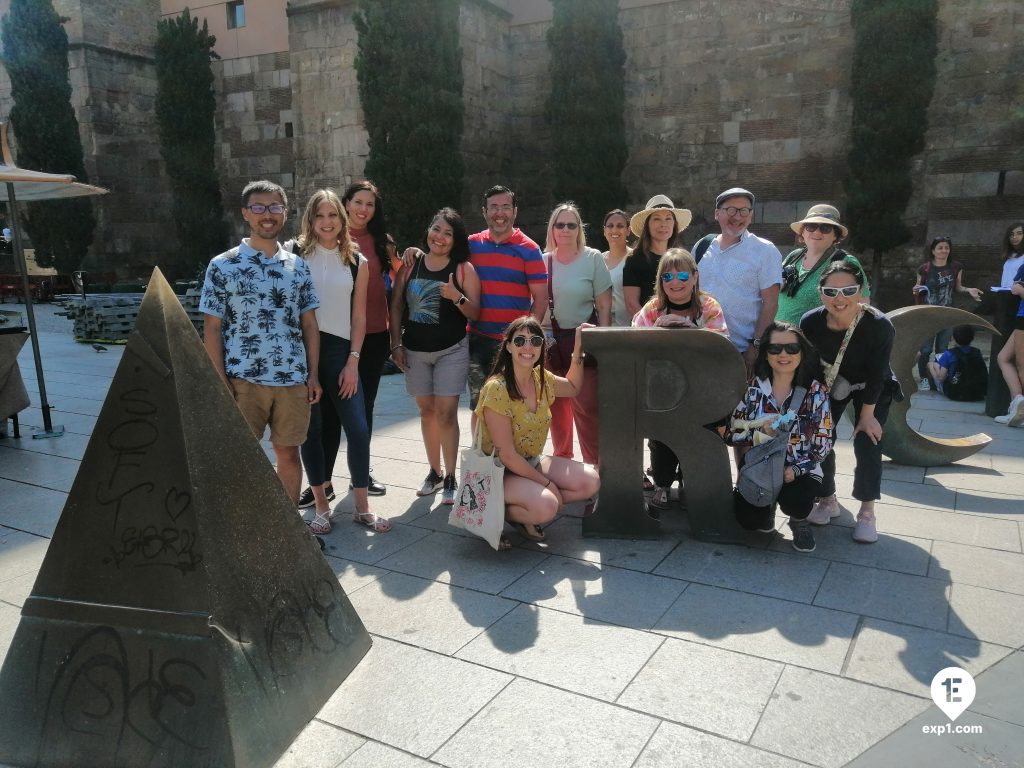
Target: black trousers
(664, 464)
(795, 499)
(867, 473)
(375, 352)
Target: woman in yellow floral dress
(515, 408)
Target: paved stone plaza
(619, 653)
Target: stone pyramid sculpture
(184, 615)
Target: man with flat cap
(742, 271)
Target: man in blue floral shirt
(260, 330)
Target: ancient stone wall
(489, 88)
(330, 140)
(254, 123)
(113, 80)
(969, 181)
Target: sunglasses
(570, 225)
(792, 348)
(668, 277)
(825, 229)
(535, 341)
(847, 291)
(259, 208)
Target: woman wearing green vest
(820, 232)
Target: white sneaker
(824, 510)
(924, 385)
(1001, 419)
(1016, 411)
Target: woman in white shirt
(340, 278)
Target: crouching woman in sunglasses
(786, 362)
(515, 412)
(854, 341)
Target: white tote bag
(480, 505)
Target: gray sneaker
(803, 538)
(448, 491)
(431, 484)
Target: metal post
(19, 259)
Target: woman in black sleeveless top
(434, 297)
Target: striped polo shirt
(506, 271)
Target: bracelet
(548, 483)
(399, 346)
(354, 354)
(578, 359)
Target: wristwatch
(462, 300)
(755, 343)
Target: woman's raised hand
(410, 255)
(449, 291)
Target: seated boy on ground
(960, 372)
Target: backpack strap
(701, 247)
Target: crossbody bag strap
(833, 370)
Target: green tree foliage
(894, 51)
(185, 107)
(409, 68)
(35, 53)
(586, 107)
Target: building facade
(718, 95)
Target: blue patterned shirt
(260, 302)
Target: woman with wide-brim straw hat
(657, 226)
(820, 231)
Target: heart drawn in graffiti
(176, 502)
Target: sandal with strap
(371, 521)
(321, 523)
(531, 532)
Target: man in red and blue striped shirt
(513, 282)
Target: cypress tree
(185, 107)
(586, 107)
(35, 53)
(409, 70)
(895, 43)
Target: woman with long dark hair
(1010, 322)
(340, 276)
(657, 226)
(854, 341)
(432, 300)
(937, 280)
(515, 414)
(785, 362)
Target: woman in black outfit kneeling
(860, 337)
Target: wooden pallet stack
(111, 316)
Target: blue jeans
(351, 413)
(940, 343)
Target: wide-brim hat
(658, 203)
(821, 214)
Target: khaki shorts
(285, 409)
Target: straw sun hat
(821, 214)
(658, 203)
